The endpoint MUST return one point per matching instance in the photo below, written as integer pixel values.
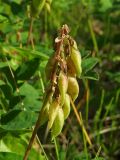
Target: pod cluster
(61, 72)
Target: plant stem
(98, 152)
(41, 81)
(32, 138)
(104, 131)
(56, 148)
(30, 39)
(81, 125)
(15, 82)
(41, 147)
(87, 100)
(93, 35)
(98, 113)
(85, 145)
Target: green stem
(30, 39)
(93, 35)
(34, 133)
(87, 99)
(42, 147)
(98, 113)
(84, 138)
(41, 81)
(56, 148)
(87, 104)
(117, 96)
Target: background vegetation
(95, 25)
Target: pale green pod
(76, 58)
(75, 45)
(73, 88)
(53, 109)
(66, 106)
(63, 85)
(47, 6)
(71, 70)
(44, 114)
(58, 123)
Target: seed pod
(73, 88)
(76, 58)
(71, 71)
(53, 109)
(75, 45)
(44, 114)
(63, 85)
(66, 106)
(58, 123)
(47, 6)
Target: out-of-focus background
(95, 25)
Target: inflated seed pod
(58, 123)
(44, 114)
(75, 45)
(53, 109)
(71, 70)
(63, 85)
(73, 88)
(66, 106)
(76, 58)
(47, 6)
(45, 109)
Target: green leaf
(18, 120)
(13, 144)
(14, 100)
(27, 69)
(2, 82)
(10, 156)
(29, 52)
(85, 53)
(91, 75)
(15, 8)
(7, 90)
(22, 52)
(31, 100)
(114, 76)
(32, 104)
(105, 5)
(14, 156)
(98, 158)
(28, 90)
(17, 144)
(8, 76)
(3, 64)
(3, 147)
(88, 64)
